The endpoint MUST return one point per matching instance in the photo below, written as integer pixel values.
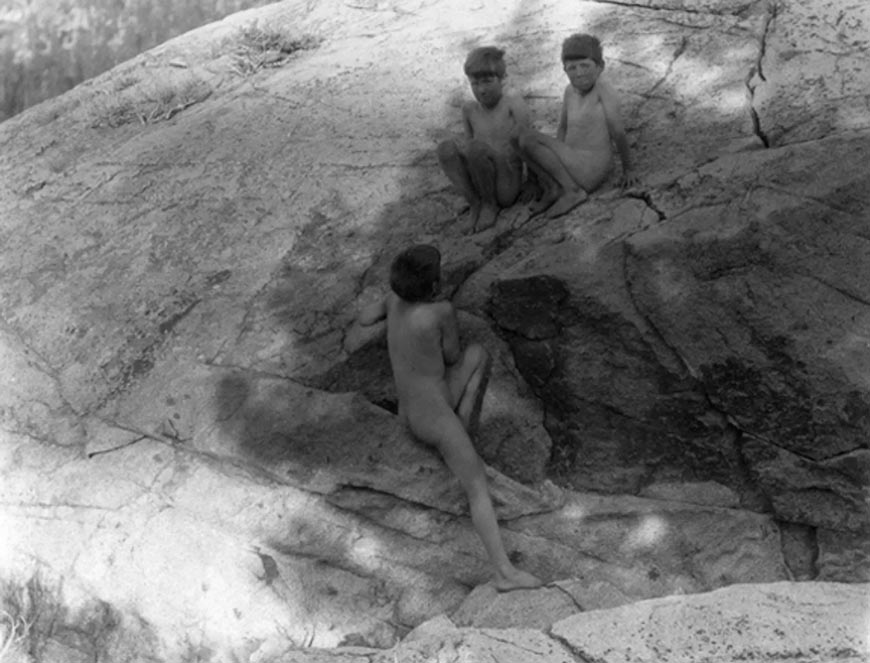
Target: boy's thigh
(508, 179)
(441, 428)
(459, 374)
(588, 168)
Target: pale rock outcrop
(198, 454)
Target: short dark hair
(414, 271)
(580, 46)
(485, 60)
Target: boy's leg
(508, 179)
(483, 173)
(467, 380)
(455, 166)
(462, 460)
(550, 189)
(546, 153)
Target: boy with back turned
(440, 388)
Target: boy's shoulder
(420, 310)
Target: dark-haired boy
(485, 164)
(440, 388)
(579, 159)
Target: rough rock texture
(198, 449)
(783, 622)
(778, 622)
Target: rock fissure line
(758, 70)
(769, 18)
(569, 595)
(399, 500)
(647, 199)
(659, 8)
(848, 295)
(681, 48)
(102, 452)
(576, 653)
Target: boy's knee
(478, 150)
(475, 483)
(526, 140)
(448, 150)
(477, 355)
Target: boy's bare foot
(568, 201)
(488, 215)
(516, 579)
(547, 199)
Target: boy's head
(415, 274)
(582, 60)
(485, 61)
(582, 47)
(485, 69)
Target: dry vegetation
(255, 48)
(130, 102)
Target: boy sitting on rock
(440, 388)
(579, 159)
(485, 164)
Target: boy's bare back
(422, 338)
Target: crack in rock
(758, 70)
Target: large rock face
(199, 454)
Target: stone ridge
(189, 408)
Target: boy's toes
(566, 203)
(542, 205)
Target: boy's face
(487, 88)
(582, 73)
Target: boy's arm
(466, 120)
(450, 349)
(613, 116)
(563, 119)
(373, 313)
(521, 113)
(369, 326)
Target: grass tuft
(13, 633)
(254, 48)
(147, 104)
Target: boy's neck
(581, 92)
(493, 107)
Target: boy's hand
(628, 180)
(530, 191)
(359, 336)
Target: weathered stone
(175, 293)
(843, 556)
(479, 646)
(821, 493)
(782, 621)
(484, 607)
(800, 550)
(817, 49)
(652, 548)
(708, 493)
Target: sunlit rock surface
(199, 455)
